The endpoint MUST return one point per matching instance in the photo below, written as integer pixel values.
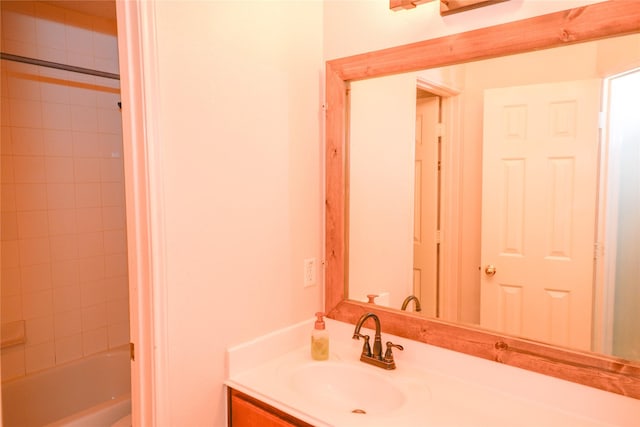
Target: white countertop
(445, 388)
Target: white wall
(381, 196)
(239, 140)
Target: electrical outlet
(309, 272)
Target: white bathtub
(91, 392)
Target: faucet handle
(388, 355)
(366, 348)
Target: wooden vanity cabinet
(246, 411)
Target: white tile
(68, 323)
(22, 86)
(114, 217)
(50, 28)
(35, 278)
(87, 169)
(59, 169)
(118, 334)
(39, 330)
(86, 144)
(64, 273)
(32, 224)
(88, 195)
(62, 221)
(110, 145)
(10, 254)
(91, 244)
(64, 247)
(29, 169)
(111, 170)
(26, 113)
(8, 197)
(30, 196)
(66, 298)
(56, 116)
(37, 304)
(9, 230)
(53, 90)
(10, 282)
(94, 293)
(11, 307)
(94, 317)
(105, 46)
(110, 121)
(60, 195)
(19, 25)
(13, 363)
(94, 341)
(115, 241)
(68, 348)
(84, 119)
(34, 251)
(58, 143)
(89, 219)
(27, 141)
(117, 288)
(82, 96)
(79, 40)
(118, 310)
(40, 357)
(115, 265)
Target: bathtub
(94, 391)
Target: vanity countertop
(438, 387)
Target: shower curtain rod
(49, 64)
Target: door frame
(451, 195)
(145, 222)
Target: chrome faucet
(408, 299)
(375, 357)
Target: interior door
(540, 153)
(425, 228)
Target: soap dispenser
(319, 339)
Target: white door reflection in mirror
(540, 183)
(426, 190)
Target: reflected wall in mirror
(344, 75)
(545, 262)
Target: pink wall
(64, 260)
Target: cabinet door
(245, 411)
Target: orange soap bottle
(319, 339)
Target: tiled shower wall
(63, 259)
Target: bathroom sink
(346, 387)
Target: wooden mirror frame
(592, 22)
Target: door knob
(490, 270)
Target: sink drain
(359, 411)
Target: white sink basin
(346, 387)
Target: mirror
(396, 214)
(548, 31)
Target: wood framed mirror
(593, 22)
